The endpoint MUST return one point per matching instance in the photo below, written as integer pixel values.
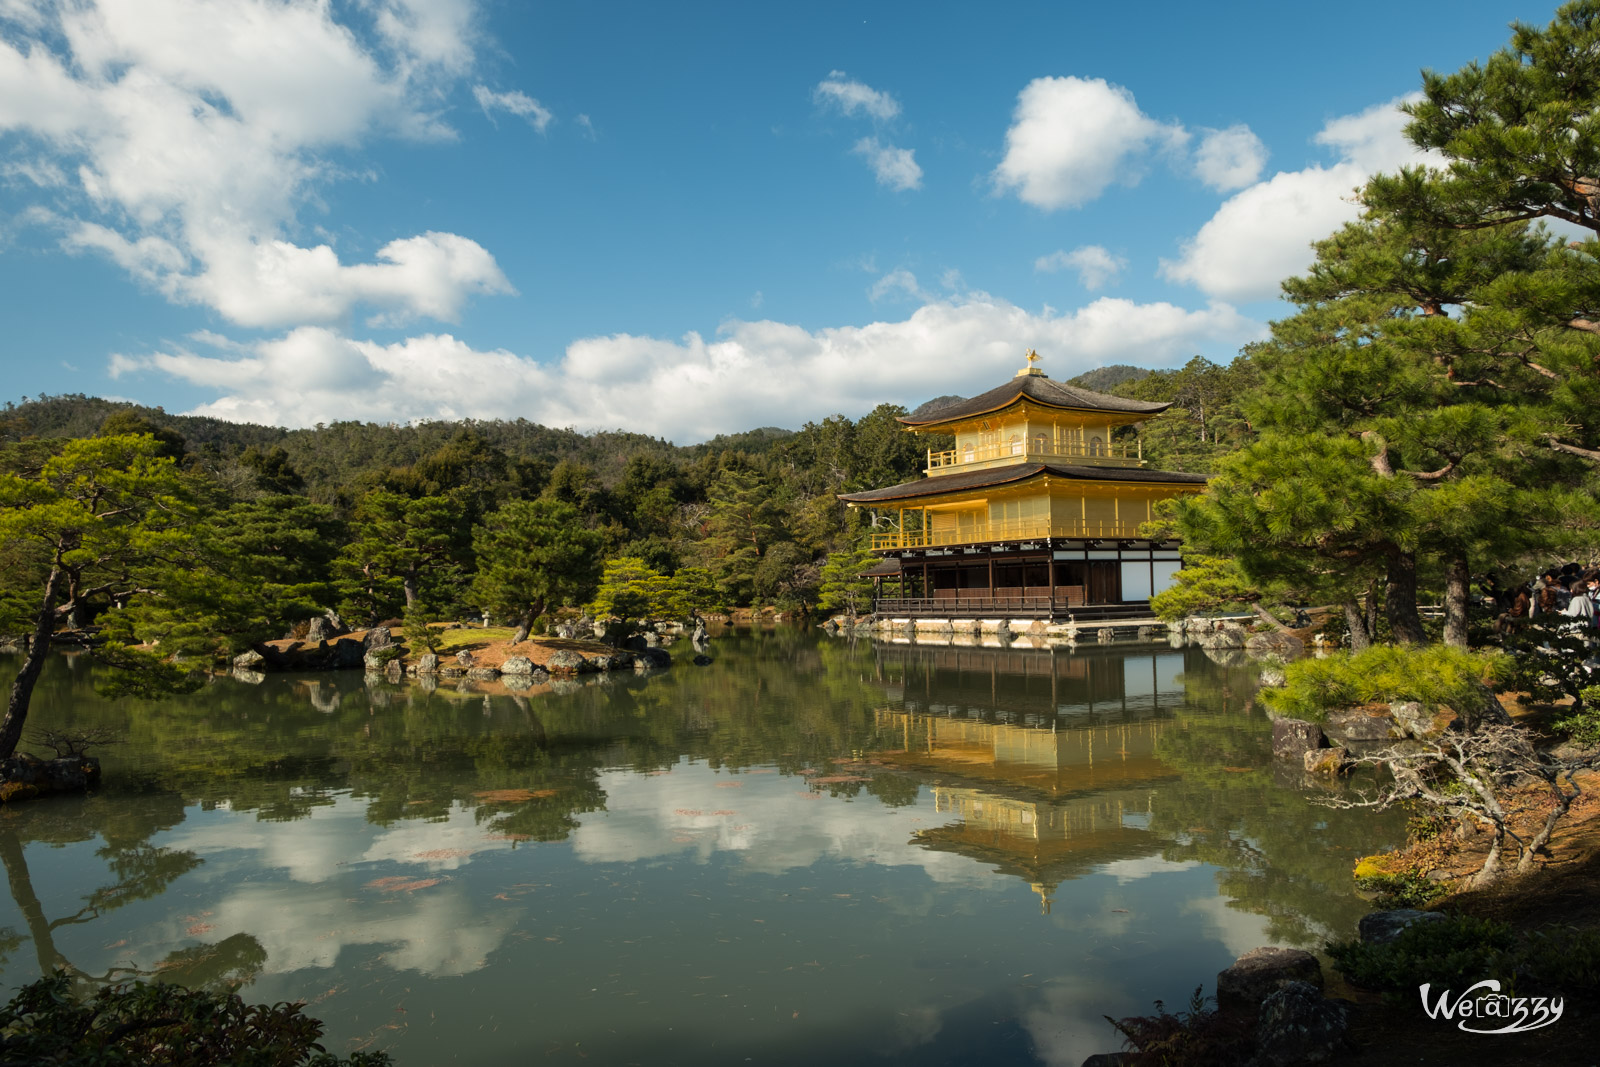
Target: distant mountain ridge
(1105, 379)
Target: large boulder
(610, 661)
(566, 661)
(344, 655)
(1261, 972)
(249, 661)
(1298, 1025)
(23, 777)
(1293, 738)
(483, 674)
(1381, 927)
(1223, 635)
(376, 661)
(518, 665)
(652, 657)
(427, 663)
(377, 637)
(1274, 643)
(1361, 728)
(1421, 721)
(1328, 762)
(318, 629)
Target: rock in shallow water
(1261, 972)
(1381, 927)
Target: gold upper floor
(1032, 433)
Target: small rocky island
(583, 646)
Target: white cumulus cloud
(895, 168)
(194, 133)
(751, 373)
(853, 98)
(1095, 266)
(1263, 234)
(1229, 159)
(514, 103)
(1071, 137)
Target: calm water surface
(812, 848)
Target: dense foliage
(141, 1022)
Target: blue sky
(680, 219)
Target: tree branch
(1572, 450)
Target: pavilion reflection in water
(1046, 762)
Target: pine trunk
(524, 625)
(1456, 582)
(1489, 873)
(1542, 838)
(410, 586)
(22, 688)
(1400, 599)
(1360, 637)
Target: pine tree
(534, 555)
(92, 521)
(402, 551)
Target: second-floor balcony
(1040, 449)
(979, 533)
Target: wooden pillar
(927, 590)
(1050, 565)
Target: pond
(812, 848)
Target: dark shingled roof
(1035, 387)
(1019, 472)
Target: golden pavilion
(1035, 513)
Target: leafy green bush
(1435, 675)
(1456, 952)
(1583, 724)
(1408, 889)
(1560, 958)
(140, 1022)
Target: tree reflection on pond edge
(909, 852)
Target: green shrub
(1584, 724)
(1562, 959)
(1461, 950)
(1435, 675)
(1456, 952)
(1409, 889)
(140, 1022)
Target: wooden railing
(1017, 530)
(1106, 455)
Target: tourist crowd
(1565, 596)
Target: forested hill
(377, 519)
(336, 461)
(328, 456)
